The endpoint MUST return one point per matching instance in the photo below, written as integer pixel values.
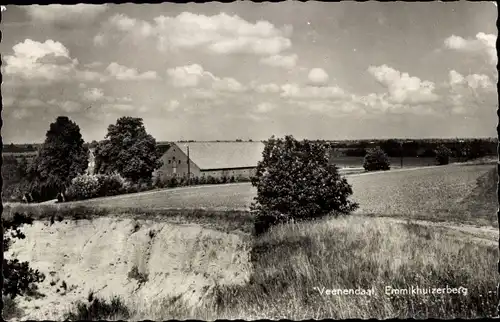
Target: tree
(294, 180)
(61, 158)
(128, 150)
(376, 159)
(19, 278)
(442, 155)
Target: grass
(98, 310)
(435, 194)
(291, 260)
(398, 193)
(10, 309)
(228, 221)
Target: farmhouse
(216, 159)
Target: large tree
(295, 180)
(128, 150)
(62, 157)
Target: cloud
(188, 76)
(219, 34)
(287, 62)
(171, 105)
(266, 88)
(228, 84)
(67, 106)
(194, 75)
(265, 107)
(474, 81)
(312, 92)
(65, 15)
(93, 65)
(93, 94)
(318, 76)
(482, 44)
(468, 94)
(125, 73)
(33, 60)
(118, 107)
(403, 88)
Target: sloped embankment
(100, 254)
(482, 202)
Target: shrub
(98, 310)
(232, 179)
(110, 185)
(376, 159)
(202, 180)
(442, 155)
(211, 180)
(18, 277)
(83, 187)
(195, 180)
(295, 181)
(172, 182)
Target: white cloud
(188, 76)
(403, 88)
(125, 73)
(318, 76)
(91, 76)
(283, 61)
(312, 92)
(474, 81)
(220, 34)
(483, 44)
(118, 107)
(171, 105)
(66, 15)
(194, 75)
(93, 94)
(20, 113)
(33, 60)
(67, 106)
(265, 107)
(93, 65)
(266, 88)
(228, 85)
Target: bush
(202, 180)
(93, 186)
(376, 159)
(172, 182)
(110, 185)
(83, 187)
(232, 179)
(442, 155)
(211, 180)
(98, 310)
(295, 181)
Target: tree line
(127, 150)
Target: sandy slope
(99, 254)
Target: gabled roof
(223, 155)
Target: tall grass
(290, 261)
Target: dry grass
(360, 252)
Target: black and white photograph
(249, 160)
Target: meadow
(412, 229)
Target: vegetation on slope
(291, 260)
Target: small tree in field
(294, 180)
(61, 158)
(442, 155)
(128, 150)
(376, 159)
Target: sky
(244, 70)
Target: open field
(421, 193)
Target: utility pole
(189, 166)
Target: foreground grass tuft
(290, 261)
(98, 309)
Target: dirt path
(484, 234)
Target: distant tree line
(462, 150)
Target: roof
(223, 155)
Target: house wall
(175, 165)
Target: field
(425, 227)
(402, 192)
